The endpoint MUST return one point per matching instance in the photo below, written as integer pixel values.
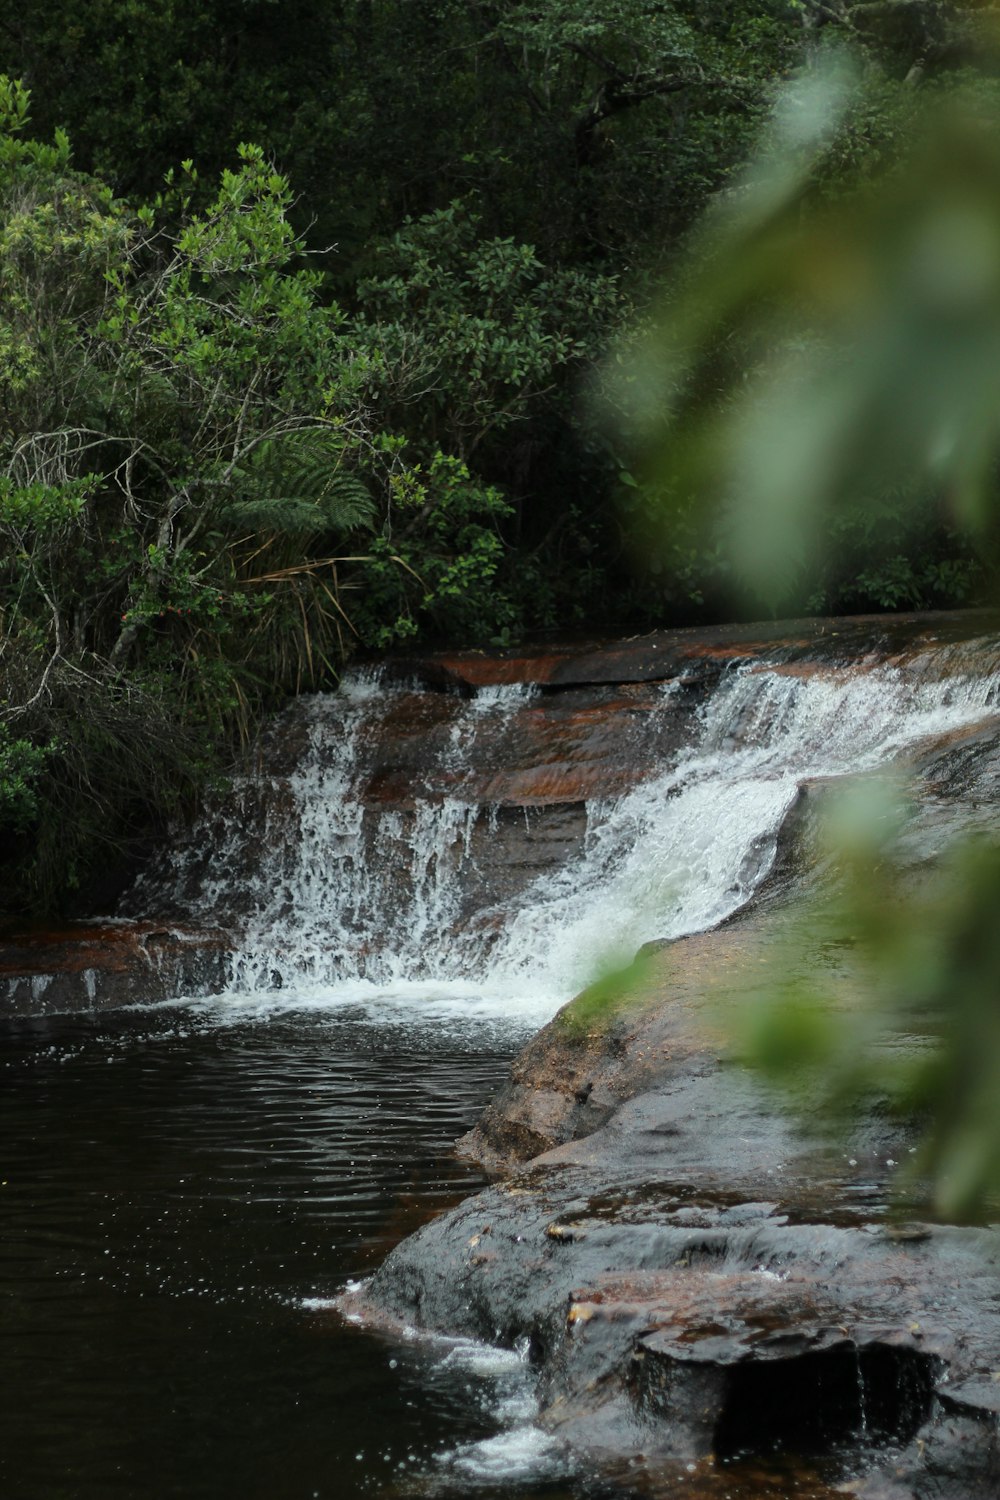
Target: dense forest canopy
(309, 317)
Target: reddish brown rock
(659, 656)
(97, 965)
(562, 748)
(604, 717)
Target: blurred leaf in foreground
(911, 1018)
(829, 347)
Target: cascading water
(186, 1186)
(685, 849)
(331, 891)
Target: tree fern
(294, 484)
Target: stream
(186, 1186)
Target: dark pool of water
(181, 1192)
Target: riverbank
(704, 1281)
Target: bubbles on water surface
(518, 1455)
(499, 1383)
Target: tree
(174, 406)
(587, 137)
(203, 500)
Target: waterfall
(687, 848)
(327, 888)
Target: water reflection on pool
(184, 1189)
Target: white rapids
(678, 853)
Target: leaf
(295, 484)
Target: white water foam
(521, 1455)
(332, 923)
(500, 1382)
(439, 1011)
(686, 849)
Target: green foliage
(924, 958)
(474, 332)
(37, 509)
(153, 377)
(438, 557)
(574, 123)
(652, 103)
(825, 367)
(293, 484)
(21, 767)
(490, 188)
(826, 382)
(580, 143)
(477, 342)
(617, 992)
(893, 553)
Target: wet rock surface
(701, 1282)
(595, 726)
(670, 1019)
(696, 654)
(705, 1286)
(98, 965)
(589, 721)
(685, 1326)
(705, 1289)
(596, 719)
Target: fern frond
(295, 484)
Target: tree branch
(612, 97)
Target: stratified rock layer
(98, 965)
(699, 1279)
(596, 719)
